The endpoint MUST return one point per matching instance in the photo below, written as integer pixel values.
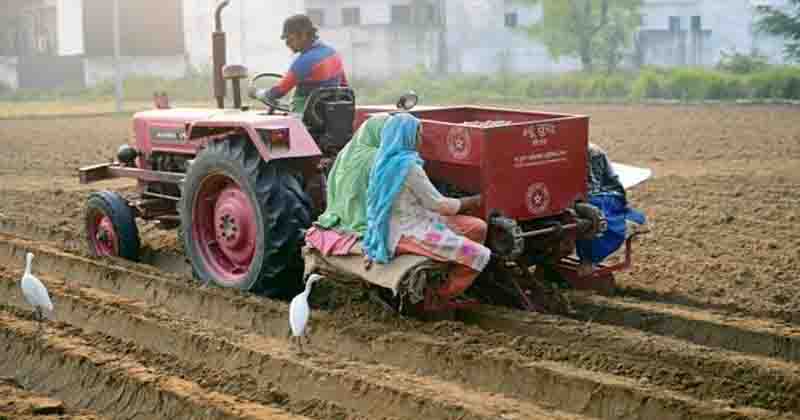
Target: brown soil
(723, 203)
(18, 404)
(513, 358)
(705, 325)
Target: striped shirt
(319, 66)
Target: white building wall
(376, 49)
(100, 69)
(253, 29)
(477, 40)
(373, 12)
(656, 13)
(737, 29)
(70, 27)
(731, 23)
(380, 51)
(480, 42)
(8, 72)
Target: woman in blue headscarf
(606, 193)
(407, 214)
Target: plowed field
(705, 326)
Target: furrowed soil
(706, 325)
(16, 403)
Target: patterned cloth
(460, 277)
(331, 242)
(422, 214)
(348, 179)
(318, 66)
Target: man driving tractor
(318, 65)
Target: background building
(698, 32)
(380, 38)
(54, 43)
(57, 43)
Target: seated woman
(345, 218)
(406, 214)
(607, 193)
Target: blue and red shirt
(318, 66)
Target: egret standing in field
(35, 293)
(299, 312)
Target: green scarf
(349, 179)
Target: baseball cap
(297, 24)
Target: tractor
(242, 185)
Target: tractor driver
(318, 65)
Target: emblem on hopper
(459, 143)
(537, 198)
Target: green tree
(615, 37)
(587, 29)
(784, 22)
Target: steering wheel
(261, 94)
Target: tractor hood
(177, 115)
(175, 130)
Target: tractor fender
(300, 144)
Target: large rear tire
(110, 226)
(242, 219)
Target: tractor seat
(329, 115)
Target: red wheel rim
(102, 234)
(224, 229)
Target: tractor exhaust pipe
(218, 51)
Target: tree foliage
(783, 22)
(588, 29)
(739, 63)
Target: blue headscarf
(398, 152)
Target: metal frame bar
(547, 231)
(430, 304)
(103, 171)
(602, 278)
(162, 196)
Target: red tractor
(243, 185)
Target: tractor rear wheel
(111, 226)
(243, 219)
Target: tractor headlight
(127, 154)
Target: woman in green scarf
(346, 210)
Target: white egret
(35, 293)
(299, 312)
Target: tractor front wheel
(242, 219)
(111, 226)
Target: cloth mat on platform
(407, 275)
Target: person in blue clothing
(318, 65)
(607, 193)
